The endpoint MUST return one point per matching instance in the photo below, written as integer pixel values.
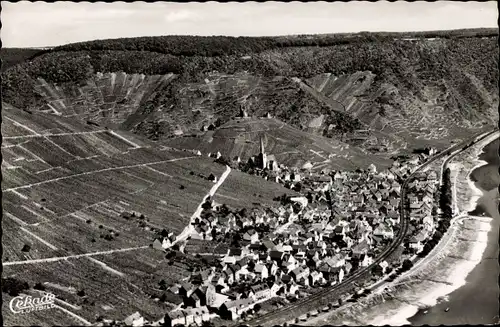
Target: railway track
(287, 313)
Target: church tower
(263, 155)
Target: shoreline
(436, 293)
(426, 294)
(477, 193)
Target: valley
(167, 175)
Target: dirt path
(189, 228)
(95, 172)
(24, 262)
(48, 134)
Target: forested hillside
(379, 91)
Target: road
(437, 250)
(296, 309)
(189, 228)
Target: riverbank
(477, 301)
(426, 294)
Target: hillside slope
(381, 93)
(241, 138)
(57, 174)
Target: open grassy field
(241, 190)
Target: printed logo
(26, 304)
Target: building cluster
(340, 224)
(421, 195)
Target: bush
(13, 286)
(39, 286)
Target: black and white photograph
(224, 164)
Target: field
(81, 209)
(241, 190)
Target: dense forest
(213, 46)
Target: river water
(477, 302)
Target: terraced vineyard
(293, 147)
(106, 99)
(82, 205)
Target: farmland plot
(146, 268)
(14, 238)
(75, 236)
(106, 293)
(50, 317)
(241, 190)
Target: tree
(377, 270)
(207, 323)
(257, 307)
(26, 248)
(39, 286)
(13, 286)
(407, 264)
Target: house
(416, 242)
(261, 271)
(416, 205)
(134, 319)
(185, 289)
(276, 255)
(251, 236)
(175, 318)
(316, 278)
(384, 264)
(268, 244)
(300, 274)
(384, 230)
(332, 275)
(233, 309)
(272, 269)
(361, 248)
(197, 315)
(260, 292)
(366, 260)
(338, 260)
(428, 223)
(196, 299)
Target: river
(476, 302)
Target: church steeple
(263, 157)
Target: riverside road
(292, 311)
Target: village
(340, 224)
